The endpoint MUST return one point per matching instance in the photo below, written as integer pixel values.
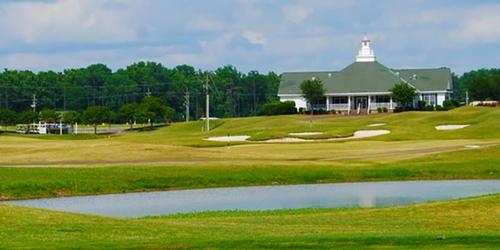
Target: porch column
(390, 104)
(327, 103)
(369, 103)
(349, 105)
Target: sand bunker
(305, 133)
(364, 134)
(357, 135)
(472, 146)
(376, 125)
(451, 127)
(237, 138)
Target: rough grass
(177, 157)
(469, 223)
(156, 160)
(24, 182)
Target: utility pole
(33, 105)
(149, 92)
(467, 97)
(207, 105)
(187, 104)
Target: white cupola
(365, 54)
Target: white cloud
(65, 20)
(255, 37)
(297, 13)
(114, 58)
(481, 25)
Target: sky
(264, 35)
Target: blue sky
(280, 35)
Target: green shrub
(385, 110)
(379, 110)
(421, 105)
(439, 108)
(279, 108)
(333, 111)
(428, 108)
(448, 104)
(399, 109)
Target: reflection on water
(367, 194)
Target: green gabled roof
(361, 77)
(364, 77)
(290, 81)
(427, 79)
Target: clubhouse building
(365, 84)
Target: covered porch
(358, 102)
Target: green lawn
(155, 160)
(24, 182)
(403, 126)
(463, 224)
(178, 157)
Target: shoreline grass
(436, 225)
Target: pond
(368, 194)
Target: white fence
(341, 106)
(377, 105)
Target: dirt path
(402, 153)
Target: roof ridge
(424, 68)
(300, 72)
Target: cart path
(402, 153)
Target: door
(361, 102)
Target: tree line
(232, 93)
(482, 84)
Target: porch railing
(340, 106)
(381, 105)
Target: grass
(160, 159)
(463, 224)
(403, 126)
(26, 182)
(178, 157)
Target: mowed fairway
(178, 157)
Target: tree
(95, 115)
(7, 117)
(27, 116)
(153, 108)
(403, 93)
(71, 117)
(312, 91)
(48, 115)
(129, 112)
(484, 86)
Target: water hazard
(369, 194)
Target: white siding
(440, 98)
(300, 102)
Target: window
(382, 99)
(339, 100)
(430, 99)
